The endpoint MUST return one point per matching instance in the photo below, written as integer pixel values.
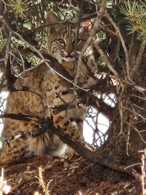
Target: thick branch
(48, 126)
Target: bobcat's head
(62, 43)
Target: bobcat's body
(46, 90)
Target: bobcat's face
(63, 42)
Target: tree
(117, 164)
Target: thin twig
(92, 34)
(136, 131)
(138, 60)
(105, 58)
(144, 99)
(7, 49)
(143, 174)
(133, 112)
(41, 181)
(122, 41)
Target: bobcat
(50, 91)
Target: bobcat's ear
(51, 18)
(87, 25)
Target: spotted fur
(47, 91)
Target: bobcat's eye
(77, 41)
(60, 40)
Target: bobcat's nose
(69, 52)
(69, 49)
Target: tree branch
(91, 156)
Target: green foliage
(135, 13)
(33, 59)
(18, 7)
